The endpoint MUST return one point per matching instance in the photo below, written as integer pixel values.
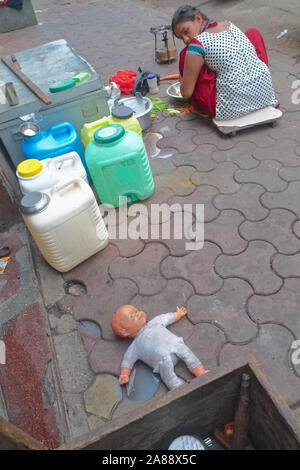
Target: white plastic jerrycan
(40, 175)
(65, 223)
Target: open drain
(75, 288)
(143, 384)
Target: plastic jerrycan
(56, 140)
(120, 114)
(65, 223)
(119, 165)
(35, 175)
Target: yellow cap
(29, 168)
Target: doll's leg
(168, 376)
(186, 355)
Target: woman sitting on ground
(222, 70)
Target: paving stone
(287, 199)
(265, 174)
(162, 164)
(181, 141)
(106, 356)
(240, 154)
(201, 125)
(290, 174)
(227, 309)
(174, 233)
(221, 178)
(166, 127)
(76, 414)
(197, 268)
(206, 343)
(205, 195)
(287, 265)
(282, 150)
(102, 396)
(276, 228)
(286, 130)
(148, 279)
(281, 308)
(178, 181)
(100, 308)
(214, 138)
(65, 324)
(272, 350)
(246, 200)
(296, 228)
(128, 247)
(94, 271)
(94, 422)
(253, 265)
(258, 135)
(73, 362)
(160, 197)
(200, 159)
(126, 406)
(176, 293)
(224, 231)
(292, 116)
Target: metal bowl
(29, 129)
(172, 91)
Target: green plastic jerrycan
(119, 165)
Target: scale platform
(262, 116)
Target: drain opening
(75, 288)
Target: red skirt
(204, 97)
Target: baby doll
(153, 344)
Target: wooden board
(262, 116)
(32, 86)
(197, 408)
(13, 438)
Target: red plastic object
(125, 80)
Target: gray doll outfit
(161, 350)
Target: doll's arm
(124, 376)
(180, 312)
(129, 359)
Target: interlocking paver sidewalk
(241, 289)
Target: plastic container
(119, 115)
(53, 142)
(152, 83)
(35, 175)
(119, 165)
(141, 107)
(66, 223)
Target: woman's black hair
(185, 13)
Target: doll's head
(127, 321)
(186, 22)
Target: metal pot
(141, 107)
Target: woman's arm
(192, 66)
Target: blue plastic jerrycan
(53, 142)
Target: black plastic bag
(141, 83)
